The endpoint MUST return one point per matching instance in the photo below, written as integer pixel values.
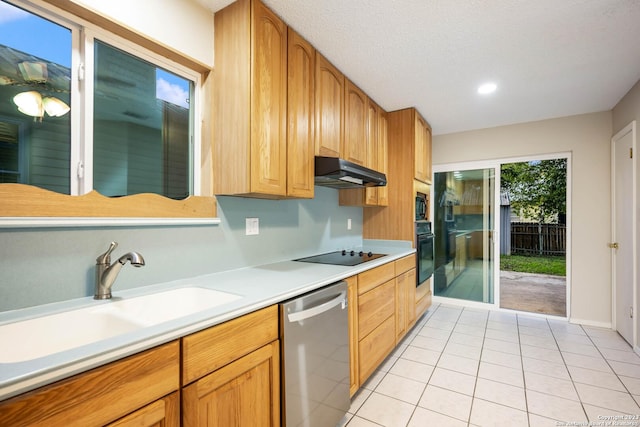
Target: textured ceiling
(550, 58)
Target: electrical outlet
(252, 226)
(349, 224)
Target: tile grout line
(524, 377)
(475, 384)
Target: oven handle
(319, 309)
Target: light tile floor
(469, 367)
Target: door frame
(497, 163)
(630, 128)
(481, 164)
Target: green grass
(554, 265)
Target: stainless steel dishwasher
(315, 357)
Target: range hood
(339, 173)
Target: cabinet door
(161, 413)
(383, 155)
(405, 302)
(243, 393)
(420, 149)
(352, 297)
(410, 277)
(300, 116)
(379, 196)
(428, 166)
(329, 108)
(354, 148)
(401, 306)
(373, 145)
(268, 102)
(375, 347)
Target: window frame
(88, 36)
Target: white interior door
(623, 231)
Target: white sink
(164, 306)
(46, 335)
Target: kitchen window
(83, 109)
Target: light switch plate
(252, 226)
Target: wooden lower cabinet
(231, 373)
(245, 392)
(134, 388)
(383, 306)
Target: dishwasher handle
(319, 309)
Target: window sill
(46, 222)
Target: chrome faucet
(106, 272)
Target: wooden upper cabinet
(377, 159)
(329, 112)
(422, 150)
(300, 116)
(356, 107)
(250, 101)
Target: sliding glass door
(464, 223)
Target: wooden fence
(538, 239)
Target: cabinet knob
(613, 245)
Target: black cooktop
(347, 258)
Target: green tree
(538, 188)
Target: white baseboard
(584, 322)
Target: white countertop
(259, 287)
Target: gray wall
(39, 266)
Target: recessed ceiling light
(487, 88)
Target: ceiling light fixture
(33, 104)
(487, 88)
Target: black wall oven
(424, 252)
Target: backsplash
(39, 266)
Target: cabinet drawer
(405, 264)
(424, 289)
(208, 350)
(375, 306)
(99, 396)
(376, 346)
(161, 413)
(374, 277)
(423, 304)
